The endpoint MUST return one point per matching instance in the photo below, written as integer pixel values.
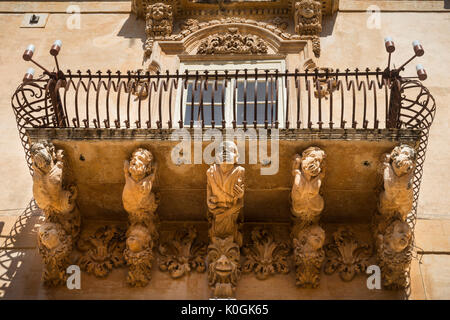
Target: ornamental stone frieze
(225, 200)
(392, 233)
(56, 197)
(140, 201)
(264, 256)
(232, 42)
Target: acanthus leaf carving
(183, 254)
(264, 256)
(102, 251)
(232, 42)
(346, 254)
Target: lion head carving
(402, 159)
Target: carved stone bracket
(264, 256)
(102, 251)
(393, 235)
(346, 254)
(56, 197)
(309, 255)
(225, 200)
(158, 24)
(183, 253)
(308, 17)
(140, 201)
(232, 42)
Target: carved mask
(223, 256)
(49, 235)
(138, 239)
(158, 11)
(42, 156)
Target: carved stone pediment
(232, 42)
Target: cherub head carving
(398, 236)
(223, 260)
(52, 236)
(228, 154)
(138, 238)
(309, 239)
(140, 164)
(311, 161)
(402, 159)
(43, 155)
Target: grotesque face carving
(223, 258)
(398, 236)
(403, 159)
(229, 154)
(51, 235)
(140, 164)
(311, 238)
(160, 11)
(312, 159)
(43, 154)
(308, 9)
(138, 238)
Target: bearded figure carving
(55, 247)
(394, 254)
(308, 17)
(223, 266)
(309, 255)
(306, 201)
(138, 255)
(141, 202)
(398, 171)
(56, 198)
(225, 193)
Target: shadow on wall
(133, 29)
(17, 255)
(328, 25)
(446, 4)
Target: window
(203, 101)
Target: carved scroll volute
(306, 206)
(57, 199)
(393, 235)
(140, 201)
(158, 24)
(225, 200)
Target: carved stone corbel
(393, 235)
(264, 256)
(102, 251)
(225, 200)
(158, 24)
(309, 255)
(346, 254)
(141, 202)
(183, 253)
(223, 266)
(56, 198)
(308, 17)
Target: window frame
(192, 66)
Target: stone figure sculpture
(225, 193)
(309, 255)
(141, 202)
(56, 198)
(225, 200)
(396, 199)
(394, 254)
(308, 172)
